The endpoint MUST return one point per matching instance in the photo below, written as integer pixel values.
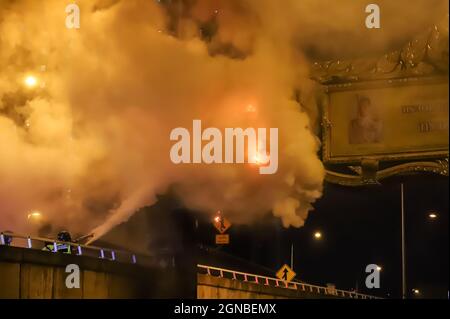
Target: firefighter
(63, 236)
(7, 239)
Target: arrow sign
(285, 273)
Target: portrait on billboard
(366, 127)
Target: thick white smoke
(90, 144)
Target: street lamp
(318, 235)
(379, 268)
(416, 291)
(432, 215)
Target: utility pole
(292, 256)
(403, 243)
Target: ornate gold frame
(424, 59)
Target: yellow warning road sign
(222, 224)
(286, 273)
(222, 239)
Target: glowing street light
(30, 81)
(318, 235)
(379, 268)
(416, 291)
(432, 215)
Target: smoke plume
(89, 144)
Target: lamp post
(403, 243)
(292, 256)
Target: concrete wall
(28, 273)
(210, 287)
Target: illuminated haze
(90, 144)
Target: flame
(34, 215)
(30, 81)
(260, 159)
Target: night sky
(360, 226)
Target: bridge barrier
(30, 273)
(278, 283)
(121, 256)
(31, 242)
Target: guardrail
(275, 282)
(19, 240)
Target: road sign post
(222, 225)
(286, 273)
(222, 239)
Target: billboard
(386, 120)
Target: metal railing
(51, 245)
(275, 282)
(39, 243)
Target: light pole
(431, 216)
(403, 243)
(292, 256)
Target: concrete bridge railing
(214, 282)
(32, 242)
(30, 273)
